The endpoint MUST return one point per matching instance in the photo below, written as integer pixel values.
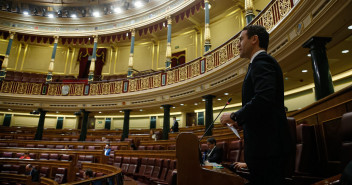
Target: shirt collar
(256, 54)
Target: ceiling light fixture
(304, 70)
(345, 51)
(203, 99)
(350, 27)
(138, 4)
(173, 107)
(141, 110)
(73, 16)
(309, 55)
(57, 112)
(219, 99)
(118, 10)
(226, 94)
(195, 103)
(182, 104)
(286, 78)
(9, 109)
(96, 14)
(99, 112)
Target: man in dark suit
(262, 116)
(214, 154)
(174, 127)
(30, 170)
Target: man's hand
(239, 165)
(225, 118)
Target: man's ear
(254, 39)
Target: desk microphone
(212, 124)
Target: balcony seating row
(33, 77)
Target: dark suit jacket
(263, 117)
(175, 127)
(215, 156)
(108, 152)
(35, 175)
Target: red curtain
(178, 58)
(84, 62)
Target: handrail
(270, 17)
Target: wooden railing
(269, 18)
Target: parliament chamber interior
(80, 76)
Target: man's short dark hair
(174, 117)
(261, 32)
(211, 140)
(89, 173)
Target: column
(40, 128)
(130, 61)
(126, 124)
(92, 62)
(249, 11)
(6, 59)
(168, 47)
(166, 123)
(208, 113)
(83, 135)
(321, 72)
(207, 37)
(49, 77)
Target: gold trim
(67, 58)
(153, 53)
(115, 62)
(158, 56)
(24, 56)
(18, 55)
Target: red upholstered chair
(7, 155)
(125, 164)
(29, 137)
(114, 148)
(33, 155)
(306, 153)
(141, 148)
(89, 139)
(18, 155)
(44, 171)
(117, 161)
(171, 147)
(6, 168)
(21, 138)
(65, 157)
(66, 139)
(346, 136)
(59, 146)
(133, 166)
(44, 156)
(15, 168)
(111, 158)
(91, 147)
(89, 159)
(30, 145)
(80, 147)
(53, 156)
(40, 146)
(149, 169)
(158, 147)
(3, 144)
(50, 146)
(165, 168)
(13, 144)
(223, 146)
(45, 138)
(74, 139)
(60, 176)
(157, 169)
(142, 168)
(8, 137)
(234, 151)
(151, 147)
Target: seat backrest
(80, 147)
(44, 171)
(15, 168)
(234, 151)
(166, 164)
(157, 168)
(18, 155)
(54, 157)
(65, 157)
(30, 146)
(59, 146)
(306, 151)
(290, 167)
(171, 147)
(44, 156)
(150, 167)
(133, 165)
(50, 146)
(91, 147)
(203, 148)
(125, 164)
(150, 147)
(117, 161)
(89, 159)
(115, 147)
(141, 147)
(346, 137)
(40, 146)
(223, 146)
